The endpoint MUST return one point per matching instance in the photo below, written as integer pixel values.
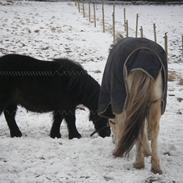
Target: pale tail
(136, 111)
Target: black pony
(43, 86)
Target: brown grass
(172, 76)
(180, 81)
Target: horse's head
(101, 125)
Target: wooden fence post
(166, 44)
(79, 5)
(83, 9)
(141, 31)
(113, 23)
(89, 11)
(94, 13)
(137, 18)
(124, 19)
(126, 25)
(154, 28)
(103, 16)
(182, 45)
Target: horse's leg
(153, 120)
(139, 163)
(9, 113)
(55, 129)
(142, 148)
(147, 151)
(71, 124)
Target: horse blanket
(127, 55)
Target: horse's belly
(40, 103)
(35, 106)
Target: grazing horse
(133, 94)
(44, 86)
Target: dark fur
(43, 86)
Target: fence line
(125, 22)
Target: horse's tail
(136, 111)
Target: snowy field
(52, 30)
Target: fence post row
(126, 28)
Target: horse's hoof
(147, 153)
(17, 134)
(138, 165)
(78, 136)
(55, 135)
(156, 171)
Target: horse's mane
(64, 62)
(80, 79)
(70, 67)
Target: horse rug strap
(127, 55)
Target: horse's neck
(90, 94)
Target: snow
(49, 30)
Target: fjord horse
(135, 73)
(56, 86)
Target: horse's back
(15, 62)
(37, 85)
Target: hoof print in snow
(107, 178)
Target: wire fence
(100, 19)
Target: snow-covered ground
(48, 30)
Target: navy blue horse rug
(127, 55)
